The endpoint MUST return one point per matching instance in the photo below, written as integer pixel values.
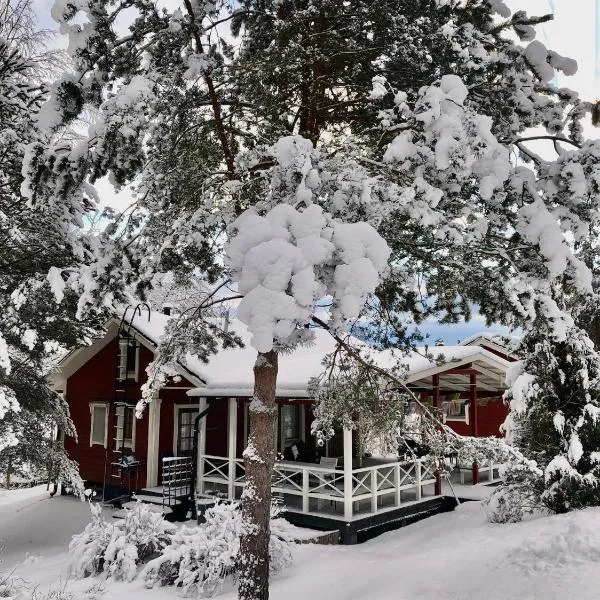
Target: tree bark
(259, 458)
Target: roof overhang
(490, 372)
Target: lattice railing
(313, 482)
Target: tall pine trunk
(259, 458)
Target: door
(185, 430)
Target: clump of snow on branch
(287, 259)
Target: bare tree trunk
(259, 458)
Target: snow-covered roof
(229, 372)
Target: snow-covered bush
(199, 559)
(117, 548)
(11, 587)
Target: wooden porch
(338, 493)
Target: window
(125, 437)
(128, 359)
(185, 431)
(290, 425)
(99, 423)
(455, 408)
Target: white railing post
(491, 475)
(374, 490)
(232, 447)
(305, 497)
(152, 466)
(201, 448)
(398, 492)
(418, 478)
(348, 484)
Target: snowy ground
(456, 556)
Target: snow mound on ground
(573, 539)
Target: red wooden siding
(95, 381)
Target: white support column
(348, 484)
(152, 466)
(305, 497)
(418, 478)
(202, 404)
(232, 446)
(374, 490)
(398, 494)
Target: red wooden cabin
(115, 450)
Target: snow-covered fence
(326, 485)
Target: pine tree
(36, 243)
(400, 116)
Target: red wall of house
(490, 416)
(95, 380)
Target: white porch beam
(348, 484)
(152, 465)
(202, 404)
(232, 446)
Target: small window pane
(98, 424)
(128, 424)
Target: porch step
(151, 499)
(153, 507)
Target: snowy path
(31, 522)
(456, 556)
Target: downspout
(194, 473)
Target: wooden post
(305, 497)
(201, 448)
(398, 495)
(473, 403)
(374, 490)
(475, 473)
(348, 483)
(436, 393)
(418, 478)
(437, 486)
(152, 465)
(232, 446)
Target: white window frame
(123, 443)
(123, 351)
(104, 405)
(177, 408)
(134, 374)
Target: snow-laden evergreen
(409, 122)
(40, 243)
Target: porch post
(435, 380)
(348, 485)
(473, 402)
(152, 465)
(202, 404)
(474, 424)
(232, 446)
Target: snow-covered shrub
(518, 496)
(199, 559)
(117, 548)
(11, 587)
(86, 550)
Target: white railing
(488, 468)
(312, 482)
